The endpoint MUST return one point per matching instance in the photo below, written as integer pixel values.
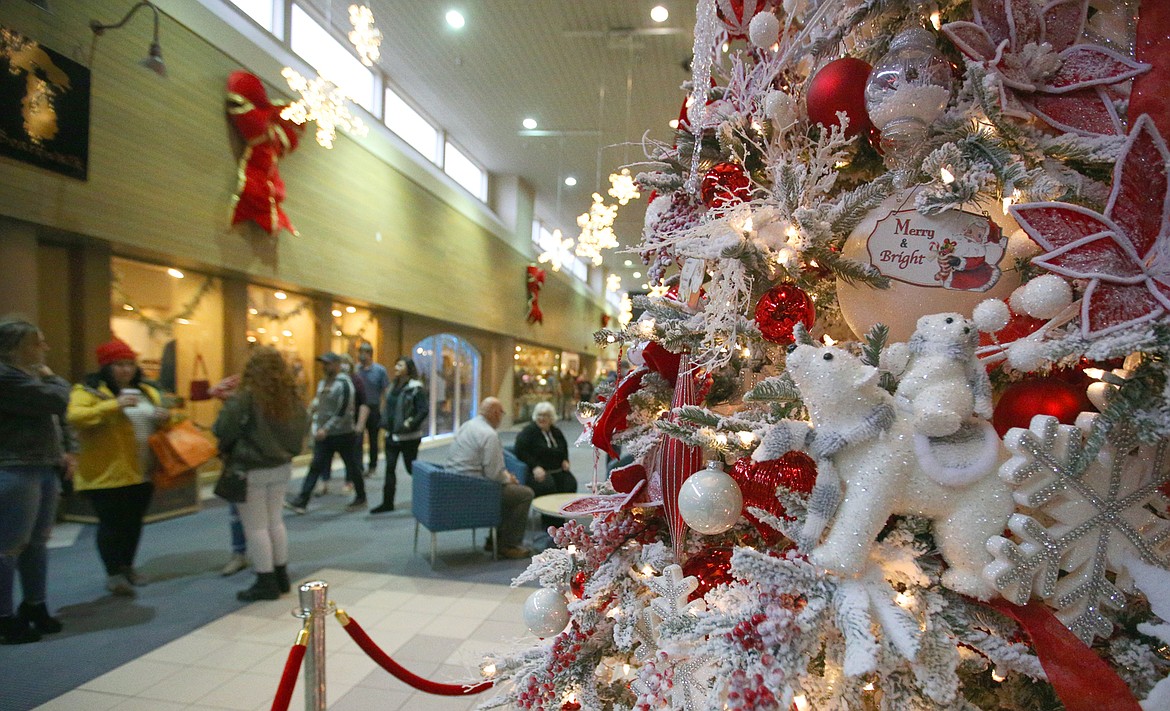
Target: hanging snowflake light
(552, 257)
(596, 230)
(622, 187)
(627, 313)
(613, 282)
(366, 37)
(321, 101)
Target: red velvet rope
(288, 680)
(401, 673)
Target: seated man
(477, 451)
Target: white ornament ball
(1045, 296)
(764, 30)
(546, 612)
(780, 109)
(946, 262)
(991, 316)
(1027, 355)
(710, 501)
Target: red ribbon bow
(535, 281)
(267, 137)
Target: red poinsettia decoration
(1125, 253)
(1041, 70)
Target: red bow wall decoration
(267, 137)
(535, 281)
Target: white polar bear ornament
(880, 475)
(944, 383)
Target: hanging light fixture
(154, 61)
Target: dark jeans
(120, 512)
(373, 424)
(28, 502)
(557, 482)
(409, 450)
(323, 451)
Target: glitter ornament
(758, 481)
(1050, 396)
(725, 184)
(577, 586)
(710, 568)
(780, 309)
(764, 30)
(991, 315)
(545, 612)
(709, 500)
(675, 461)
(840, 86)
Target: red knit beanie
(114, 351)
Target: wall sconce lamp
(154, 60)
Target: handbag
(232, 484)
(200, 387)
(180, 449)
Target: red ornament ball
(711, 567)
(724, 184)
(780, 309)
(840, 86)
(758, 481)
(1039, 396)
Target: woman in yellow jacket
(113, 413)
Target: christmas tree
(895, 431)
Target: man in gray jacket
(333, 433)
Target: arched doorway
(450, 367)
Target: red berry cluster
(540, 690)
(745, 634)
(748, 693)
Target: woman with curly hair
(260, 429)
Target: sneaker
(357, 505)
(322, 489)
(136, 579)
(297, 506)
(347, 488)
(119, 585)
(515, 552)
(369, 472)
(382, 508)
(237, 563)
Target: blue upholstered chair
(513, 464)
(443, 501)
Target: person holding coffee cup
(114, 413)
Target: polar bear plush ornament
(869, 444)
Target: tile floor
(438, 629)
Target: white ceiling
(550, 60)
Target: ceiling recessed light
(529, 123)
(629, 263)
(570, 181)
(455, 19)
(280, 295)
(175, 273)
(659, 13)
(637, 275)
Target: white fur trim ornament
(991, 315)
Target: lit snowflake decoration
(613, 282)
(366, 37)
(1090, 516)
(553, 256)
(321, 101)
(596, 230)
(622, 187)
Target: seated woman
(542, 446)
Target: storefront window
(285, 322)
(173, 319)
(535, 377)
(449, 366)
(351, 327)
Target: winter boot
(37, 616)
(14, 630)
(265, 588)
(282, 581)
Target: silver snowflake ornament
(1087, 516)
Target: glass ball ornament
(710, 501)
(546, 612)
(780, 309)
(710, 567)
(907, 91)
